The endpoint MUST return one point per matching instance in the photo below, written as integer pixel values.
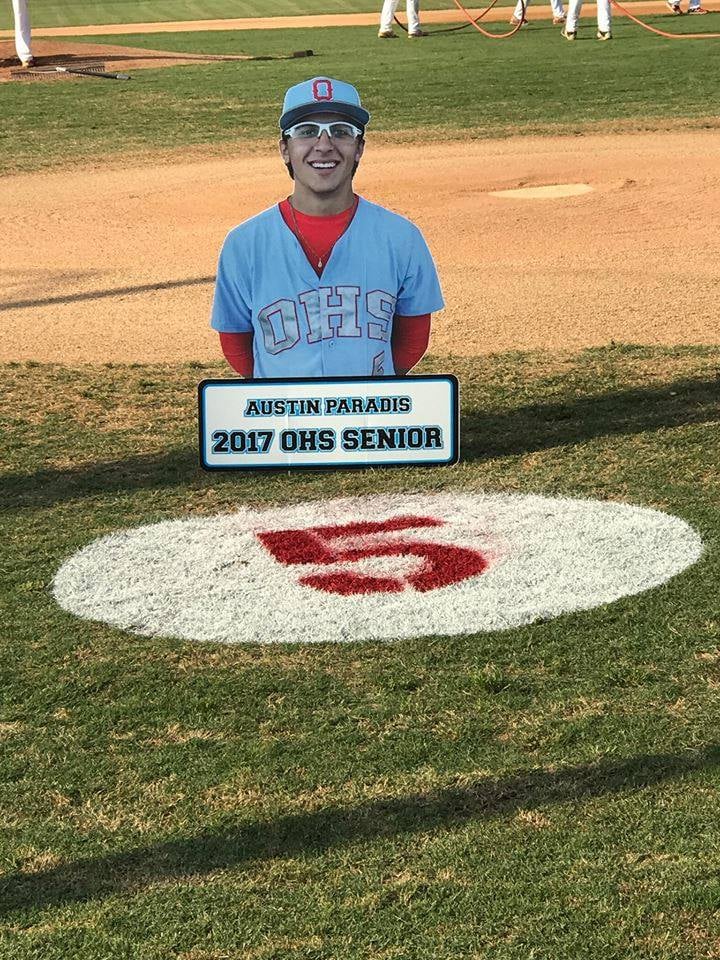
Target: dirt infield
(117, 264)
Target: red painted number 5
(442, 565)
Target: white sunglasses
(313, 130)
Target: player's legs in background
(518, 11)
(386, 17)
(604, 17)
(22, 30)
(573, 15)
(558, 10)
(413, 16)
(696, 7)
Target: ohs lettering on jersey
(325, 313)
(339, 324)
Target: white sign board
(343, 422)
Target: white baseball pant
(22, 29)
(604, 15)
(413, 15)
(555, 5)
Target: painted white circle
(444, 564)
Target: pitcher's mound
(550, 192)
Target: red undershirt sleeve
(238, 350)
(409, 341)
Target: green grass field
(545, 792)
(462, 87)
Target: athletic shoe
(387, 35)
(516, 21)
(568, 34)
(673, 6)
(697, 11)
(417, 35)
(606, 35)
(559, 20)
(27, 64)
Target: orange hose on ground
(486, 33)
(615, 3)
(664, 33)
(473, 22)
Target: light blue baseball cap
(322, 95)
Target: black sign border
(286, 468)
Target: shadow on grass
(483, 435)
(542, 426)
(49, 487)
(314, 833)
(110, 292)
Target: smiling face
(322, 169)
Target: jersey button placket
(327, 346)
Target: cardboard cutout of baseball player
(324, 283)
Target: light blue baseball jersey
(338, 324)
